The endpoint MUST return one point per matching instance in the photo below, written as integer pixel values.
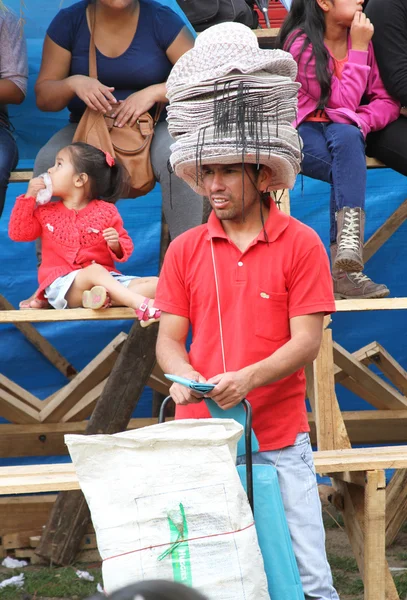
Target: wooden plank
(374, 535)
(370, 426)
(36, 339)
(371, 304)
(330, 427)
(20, 539)
(20, 176)
(158, 382)
(70, 515)
(373, 163)
(97, 370)
(365, 355)
(15, 410)
(384, 232)
(21, 513)
(73, 314)
(88, 541)
(20, 393)
(383, 394)
(46, 439)
(84, 407)
(391, 368)
(360, 390)
(396, 505)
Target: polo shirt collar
(276, 224)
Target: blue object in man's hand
(203, 388)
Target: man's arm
(301, 349)
(173, 358)
(389, 18)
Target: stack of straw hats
(231, 102)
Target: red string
(203, 537)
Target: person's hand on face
(361, 31)
(93, 93)
(129, 110)
(36, 184)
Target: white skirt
(56, 292)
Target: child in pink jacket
(341, 99)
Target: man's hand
(36, 184)
(230, 388)
(183, 395)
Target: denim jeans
(335, 153)
(8, 161)
(299, 492)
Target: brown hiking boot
(351, 227)
(348, 286)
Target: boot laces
(349, 239)
(358, 277)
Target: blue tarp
(80, 342)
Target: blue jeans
(335, 153)
(299, 492)
(8, 161)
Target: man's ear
(81, 180)
(265, 178)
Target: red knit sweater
(71, 239)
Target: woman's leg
(8, 161)
(43, 161)
(181, 205)
(96, 275)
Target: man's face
(226, 187)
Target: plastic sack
(167, 503)
(45, 195)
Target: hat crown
(227, 34)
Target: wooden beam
(371, 426)
(372, 304)
(21, 513)
(391, 368)
(20, 176)
(357, 388)
(47, 439)
(84, 407)
(97, 370)
(15, 410)
(383, 395)
(360, 459)
(158, 382)
(20, 393)
(364, 355)
(328, 420)
(37, 340)
(396, 505)
(374, 535)
(73, 314)
(384, 232)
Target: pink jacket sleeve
(381, 108)
(346, 92)
(23, 225)
(125, 241)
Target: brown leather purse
(131, 145)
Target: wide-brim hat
(280, 151)
(223, 49)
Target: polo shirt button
(240, 264)
(264, 295)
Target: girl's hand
(361, 31)
(36, 184)
(93, 93)
(111, 238)
(129, 110)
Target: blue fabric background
(80, 342)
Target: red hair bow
(109, 159)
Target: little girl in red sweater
(83, 235)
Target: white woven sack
(167, 503)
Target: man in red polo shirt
(253, 283)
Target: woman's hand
(129, 110)
(93, 93)
(361, 31)
(36, 184)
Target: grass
(48, 582)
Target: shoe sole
(376, 296)
(94, 298)
(350, 266)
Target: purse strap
(93, 72)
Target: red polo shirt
(260, 290)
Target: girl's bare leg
(95, 274)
